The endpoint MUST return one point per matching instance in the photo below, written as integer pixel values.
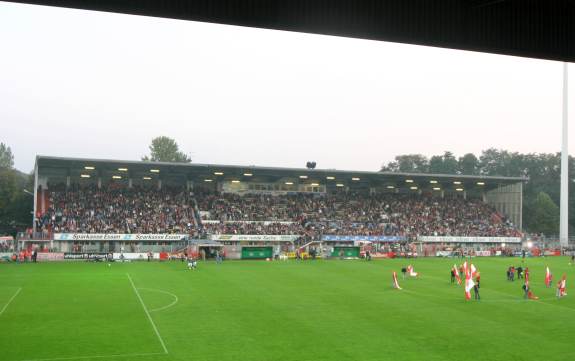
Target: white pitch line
(148, 314)
(99, 356)
(164, 292)
(10, 301)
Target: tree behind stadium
(165, 149)
(15, 204)
(6, 157)
(541, 192)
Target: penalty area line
(148, 314)
(10, 301)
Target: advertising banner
(333, 238)
(254, 237)
(383, 255)
(50, 256)
(443, 254)
(135, 256)
(441, 239)
(118, 237)
(483, 253)
(265, 223)
(83, 256)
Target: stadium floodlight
(330, 177)
(235, 181)
(147, 178)
(355, 179)
(502, 245)
(123, 169)
(413, 188)
(288, 183)
(456, 182)
(459, 189)
(390, 187)
(480, 183)
(207, 180)
(529, 244)
(218, 173)
(409, 181)
(339, 185)
(89, 167)
(84, 176)
(155, 170)
(433, 181)
(116, 177)
(436, 188)
(248, 174)
(303, 176)
(315, 184)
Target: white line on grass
(148, 314)
(164, 292)
(100, 356)
(10, 301)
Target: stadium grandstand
(101, 206)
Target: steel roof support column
(564, 206)
(35, 197)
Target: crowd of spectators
(114, 209)
(354, 214)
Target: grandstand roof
(60, 167)
(531, 28)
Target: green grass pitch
(263, 311)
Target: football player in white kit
(192, 263)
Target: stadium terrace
(96, 205)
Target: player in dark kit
(476, 287)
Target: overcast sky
(87, 84)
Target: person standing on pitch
(452, 275)
(519, 272)
(367, 255)
(192, 264)
(526, 284)
(561, 286)
(525, 290)
(476, 287)
(403, 271)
